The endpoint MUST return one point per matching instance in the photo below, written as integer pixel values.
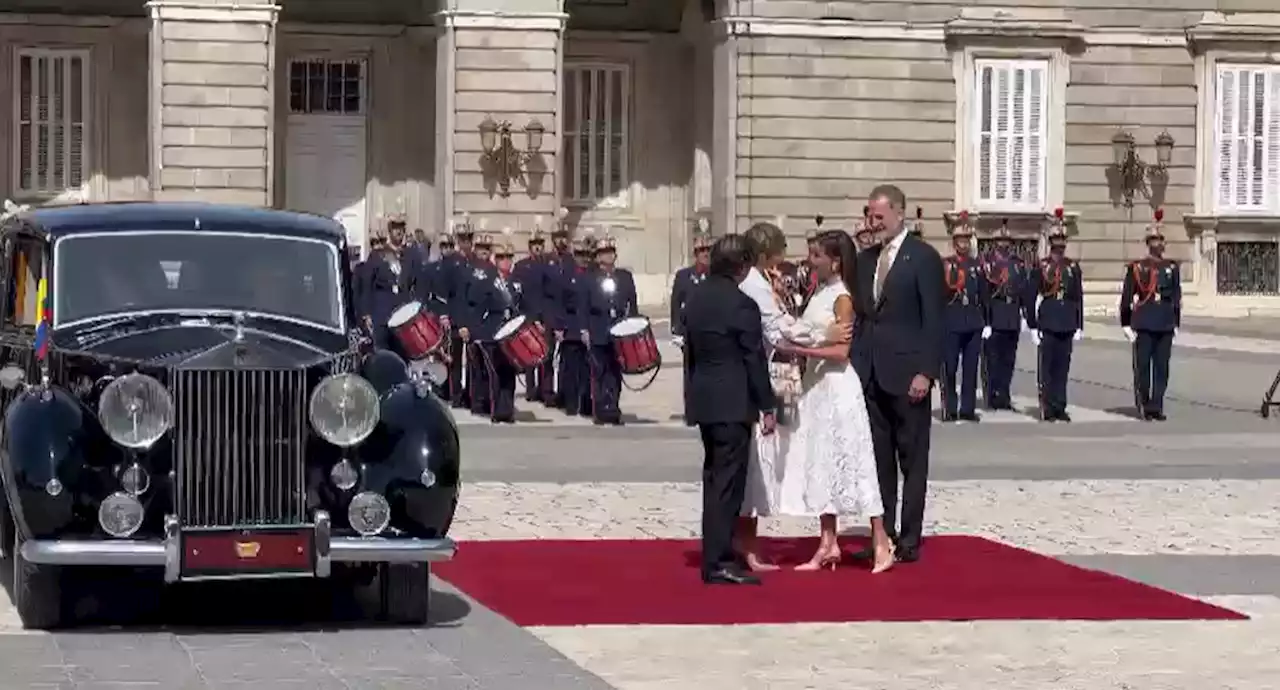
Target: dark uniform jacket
(611, 297)
(1151, 299)
(1006, 276)
(967, 290)
(1060, 288)
(685, 281)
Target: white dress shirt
(892, 248)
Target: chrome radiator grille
(239, 444)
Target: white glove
(678, 341)
(1035, 336)
(1079, 335)
(1129, 334)
(1175, 334)
(1024, 326)
(986, 332)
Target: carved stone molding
(1218, 29)
(1014, 24)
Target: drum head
(509, 327)
(402, 315)
(628, 327)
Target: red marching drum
(523, 342)
(419, 332)
(634, 346)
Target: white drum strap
(555, 369)
(465, 352)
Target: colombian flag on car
(43, 316)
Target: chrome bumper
(167, 554)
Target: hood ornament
(237, 320)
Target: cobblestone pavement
(1188, 505)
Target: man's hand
(1036, 338)
(1129, 334)
(986, 332)
(839, 332)
(768, 423)
(367, 322)
(1079, 335)
(586, 338)
(919, 388)
(678, 341)
(1024, 326)
(464, 333)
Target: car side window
(23, 267)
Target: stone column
(724, 142)
(506, 63)
(212, 97)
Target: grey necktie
(882, 269)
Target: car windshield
(130, 272)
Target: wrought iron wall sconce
(503, 161)
(1130, 170)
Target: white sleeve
(772, 318)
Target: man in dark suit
(896, 350)
(727, 390)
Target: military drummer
(1150, 314)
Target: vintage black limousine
(183, 389)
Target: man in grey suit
(896, 350)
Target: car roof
(63, 221)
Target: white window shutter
(1226, 137)
(1011, 132)
(1033, 184)
(1271, 139)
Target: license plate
(255, 552)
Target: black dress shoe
(1064, 417)
(1159, 416)
(907, 554)
(729, 576)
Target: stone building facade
(642, 116)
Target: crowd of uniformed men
(576, 290)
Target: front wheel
(37, 591)
(404, 591)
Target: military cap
(1155, 231)
(1058, 223)
(962, 227)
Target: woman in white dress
(828, 466)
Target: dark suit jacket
(900, 334)
(726, 375)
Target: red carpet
(656, 582)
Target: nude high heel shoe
(885, 562)
(825, 559)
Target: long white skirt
(823, 461)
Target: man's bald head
(886, 205)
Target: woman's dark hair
(730, 256)
(836, 244)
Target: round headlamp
(135, 410)
(344, 409)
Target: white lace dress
(823, 462)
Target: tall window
(597, 100)
(1010, 134)
(1247, 169)
(50, 107)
